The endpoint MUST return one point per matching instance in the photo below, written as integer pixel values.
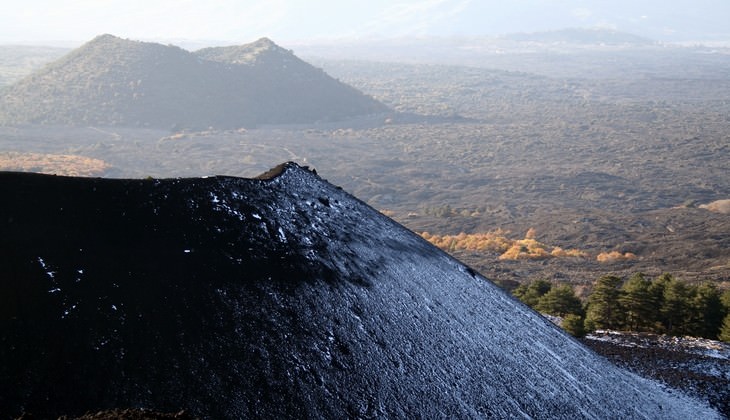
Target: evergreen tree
(725, 330)
(531, 293)
(707, 311)
(573, 324)
(560, 301)
(656, 294)
(639, 306)
(676, 309)
(725, 299)
(604, 305)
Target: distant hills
(577, 36)
(114, 81)
(17, 61)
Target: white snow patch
(694, 345)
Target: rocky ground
(697, 367)
(123, 414)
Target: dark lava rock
(274, 297)
(130, 414)
(701, 376)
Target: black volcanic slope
(274, 297)
(113, 81)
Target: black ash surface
(278, 297)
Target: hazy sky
(34, 21)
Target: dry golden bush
(497, 241)
(525, 249)
(70, 165)
(613, 256)
(566, 253)
(719, 206)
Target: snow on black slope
(274, 297)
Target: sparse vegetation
(71, 165)
(613, 256)
(498, 242)
(718, 206)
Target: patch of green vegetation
(663, 305)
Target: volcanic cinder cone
(275, 297)
(117, 82)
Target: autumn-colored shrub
(70, 165)
(566, 253)
(495, 241)
(525, 249)
(719, 206)
(614, 256)
(498, 242)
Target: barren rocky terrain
(698, 367)
(626, 159)
(596, 152)
(598, 190)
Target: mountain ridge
(246, 54)
(112, 81)
(587, 36)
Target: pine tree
(656, 294)
(604, 305)
(725, 330)
(707, 311)
(560, 301)
(573, 324)
(658, 285)
(725, 299)
(636, 299)
(531, 293)
(676, 309)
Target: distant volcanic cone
(117, 82)
(277, 297)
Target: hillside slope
(112, 81)
(281, 296)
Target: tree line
(663, 305)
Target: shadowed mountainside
(112, 81)
(278, 296)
